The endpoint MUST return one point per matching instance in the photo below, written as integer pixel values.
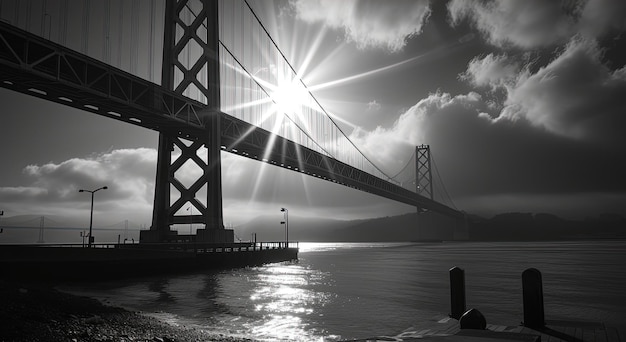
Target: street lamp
(190, 218)
(91, 216)
(286, 224)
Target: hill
(268, 228)
(542, 226)
(502, 227)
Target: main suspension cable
(441, 181)
(311, 94)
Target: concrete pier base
(74, 263)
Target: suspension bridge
(205, 74)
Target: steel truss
(424, 174)
(38, 67)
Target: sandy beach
(38, 312)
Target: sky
(523, 104)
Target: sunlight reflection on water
(305, 247)
(282, 296)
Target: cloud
(575, 95)
(492, 71)
(526, 24)
(373, 106)
(19, 192)
(600, 17)
(390, 147)
(480, 158)
(537, 23)
(128, 173)
(368, 23)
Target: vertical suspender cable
(29, 5)
(133, 38)
(120, 36)
(43, 19)
(17, 13)
(107, 31)
(47, 23)
(188, 90)
(14, 13)
(243, 56)
(63, 22)
(85, 28)
(150, 44)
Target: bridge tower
(423, 176)
(429, 227)
(432, 226)
(190, 67)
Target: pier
(73, 262)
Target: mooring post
(473, 319)
(532, 293)
(457, 292)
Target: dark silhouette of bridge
(211, 95)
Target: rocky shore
(38, 312)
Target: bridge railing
(199, 247)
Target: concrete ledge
(499, 336)
(84, 264)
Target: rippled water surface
(343, 290)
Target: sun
(290, 97)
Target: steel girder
(41, 68)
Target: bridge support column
(191, 68)
(423, 174)
(426, 230)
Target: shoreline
(39, 312)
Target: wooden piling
(532, 292)
(457, 292)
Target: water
(355, 290)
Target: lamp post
(91, 216)
(190, 209)
(286, 225)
